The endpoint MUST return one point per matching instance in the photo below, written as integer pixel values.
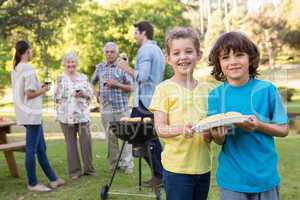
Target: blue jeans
(156, 148)
(185, 186)
(35, 144)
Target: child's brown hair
(185, 33)
(237, 42)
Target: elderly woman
(72, 96)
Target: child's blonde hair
(184, 33)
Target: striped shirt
(118, 98)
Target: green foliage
(94, 25)
(56, 27)
(39, 22)
(214, 29)
(88, 187)
(286, 93)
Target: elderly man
(115, 86)
(148, 72)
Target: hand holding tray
(222, 119)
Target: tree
(94, 25)
(38, 20)
(273, 29)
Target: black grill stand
(139, 151)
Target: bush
(286, 93)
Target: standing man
(148, 72)
(115, 86)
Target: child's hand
(207, 137)
(219, 134)
(188, 131)
(249, 125)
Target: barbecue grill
(139, 134)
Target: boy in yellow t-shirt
(177, 104)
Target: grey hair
(111, 44)
(70, 56)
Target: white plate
(204, 125)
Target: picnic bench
(9, 148)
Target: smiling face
(235, 66)
(183, 56)
(70, 66)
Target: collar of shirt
(149, 42)
(114, 64)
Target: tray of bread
(221, 119)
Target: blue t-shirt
(248, 161)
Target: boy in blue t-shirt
(248, 159)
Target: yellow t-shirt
(182, 106)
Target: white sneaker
(38, 188)
(55, 184)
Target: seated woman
(72, 96)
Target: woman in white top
(73, 96)
(27, 95)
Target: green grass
(294, 106)
(87, 188)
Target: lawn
(87, 188)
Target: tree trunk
(226, 16)
(200, 4)
(208, 13)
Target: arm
(124, 65)
(127, 83)
(115, 84)
(125, 87)
(143, 74)
(95, 76)
(219, 134)
(31, 94)
(31, 85)
(274, 129)
(166, 131)
(270, 129)
(94, 81)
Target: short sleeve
(278, 111)
(213, 103)
(95, 76)
(159, 101)
(31, 81)
(127, 78)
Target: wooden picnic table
(5, 128)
